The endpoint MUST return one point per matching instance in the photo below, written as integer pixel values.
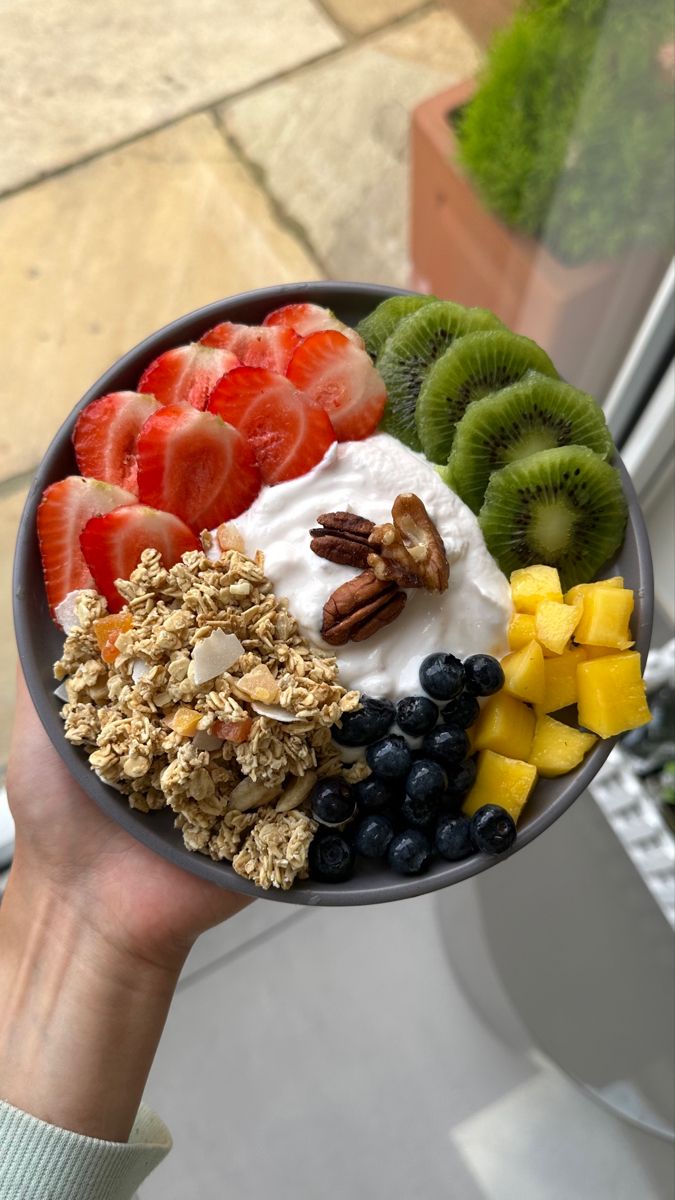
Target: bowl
(40, 642)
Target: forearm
(80, 1019)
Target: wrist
(80, 1013)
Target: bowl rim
(358, 890)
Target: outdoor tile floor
(155, 157)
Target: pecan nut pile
(407, 552)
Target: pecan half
(343, 539)
(360, 608)
(410, 550)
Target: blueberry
(492, 829)
(416, 715)
(453, 838)
(370, 722)
(389, 758)
(332, 801)
(462, 711)
(419, 812)
(484, 675)
(426, 780)
(331, 858)
(446, 744)
(409, 852)
(442, 676)
(462, 779)
(373, 836)
(372, 795)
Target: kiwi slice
(413, 347)
(475, 366)
(536, 414)
(562, 507)
(382, 321)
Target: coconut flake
(65, 613)
(274, 711)
(213, 655)
(139, 668)
(61, 692)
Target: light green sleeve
(39, 1160)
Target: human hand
(67, 847)
(94, 930)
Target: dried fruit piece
(229, 537)
(107, 631)
(233, 731)
(259, 684)
(185, 721)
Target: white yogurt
(365, 478)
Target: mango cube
(505, 725)
(560, 679)
(524, 673)
(557, 749)
(577, 592)
(500, 780)
(605, 618)
(611, 694)
(555, 623)
(531, 585)
(520, 630)
(597, 651)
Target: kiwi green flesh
(378, 326)
(473, 367)
(538, 413)
(563, 507)
(417, 341)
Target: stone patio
(152, 163)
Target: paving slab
(10, 511)
(359, 17)
(80, 77)
(331, 141)
(95, 259)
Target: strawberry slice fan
(288, 436)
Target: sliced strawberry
(186, 375)
(340, 377)
(255, 345)
(310, 318)
(113, 544)
(106, 433)
(63, 512)
(288, 435)
(194, 465)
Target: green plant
(569, 137)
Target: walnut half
(409, 551)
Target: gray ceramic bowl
(40, 642)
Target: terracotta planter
(584, 316)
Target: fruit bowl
(40, 641)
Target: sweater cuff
(39, 1160)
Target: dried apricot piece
(233, 731)
(107, 631)
(259, 684)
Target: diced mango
(505, 725)
(557, 749)
(555, 623)
(500, 780)
(530, 585)
(611, 694)
(524, 673)
(560, 679)
(107, 630)
(520, 630)
(577, 592)
(605, 620)
(185, 721)
(597, 651)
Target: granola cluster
(240, 800)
